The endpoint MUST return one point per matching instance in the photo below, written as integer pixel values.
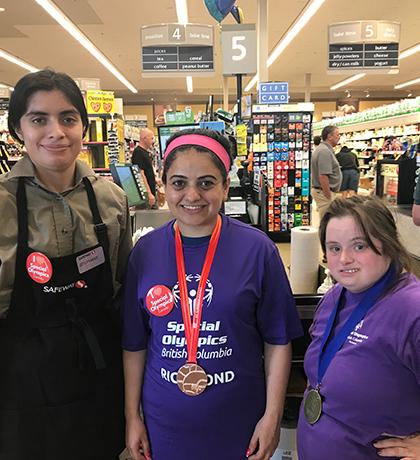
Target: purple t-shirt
(247, 302)
(372, 385)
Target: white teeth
(351, 270)
(191, 207)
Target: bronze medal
(312, 406)
(191, 379)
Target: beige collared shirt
(61, 223)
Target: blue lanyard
(368, 300)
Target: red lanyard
(192, 326)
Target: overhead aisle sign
(367, 45)
(239, 49)
(171, 49)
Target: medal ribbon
(368, 300)
(192, 326)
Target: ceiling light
(3, 85)
(65, 22)
(407, 83)
(409, 94)
(182, 11)
(189, 84)
(348, 93)
(347, 81)
(367, 93)
(297, 26)
(410, 51)
(251, 83)
(2, 10)
(182, 15)
(15, 60)
(292, 32)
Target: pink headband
(201, 141)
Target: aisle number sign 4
(239, 49)
(171, 49)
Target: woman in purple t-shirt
(206, 299)
(363, 364)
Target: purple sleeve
(134, 320)
(411, 350)
(277, 317)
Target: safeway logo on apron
(80, 284)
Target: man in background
(326, 173)
(142, 157)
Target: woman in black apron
(66, 239)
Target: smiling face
(351, 261)
(195, 192)
(52, 131)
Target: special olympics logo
(358, 326)
(192, 287)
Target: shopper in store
(416, 204)
(349, 165)
(206, 297)
(326, 173)
(317, 140)
(64, 246)
(363, 365)
(142, 156)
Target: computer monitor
(124, 176)
(166, 131)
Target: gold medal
(191, 379)
(312, 406)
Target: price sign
(239, 49)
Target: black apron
(61, 387)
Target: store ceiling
(28, 32)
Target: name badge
(90, 260)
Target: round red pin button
(159, 300)
(39, 267)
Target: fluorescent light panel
(410, 51)
(3, 85)
(182, 15)
(407, 83)
(65, 22)
(15, 60)
(297, 26)
(345, 82)
(189, 84)
(294, 30)
(182, 11)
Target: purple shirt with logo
(247, 302)
(372, 385)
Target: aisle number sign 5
(239, 50)
(238, 46)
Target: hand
(265, 439)
(407, 448)
(136, 439)
(152, 199)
